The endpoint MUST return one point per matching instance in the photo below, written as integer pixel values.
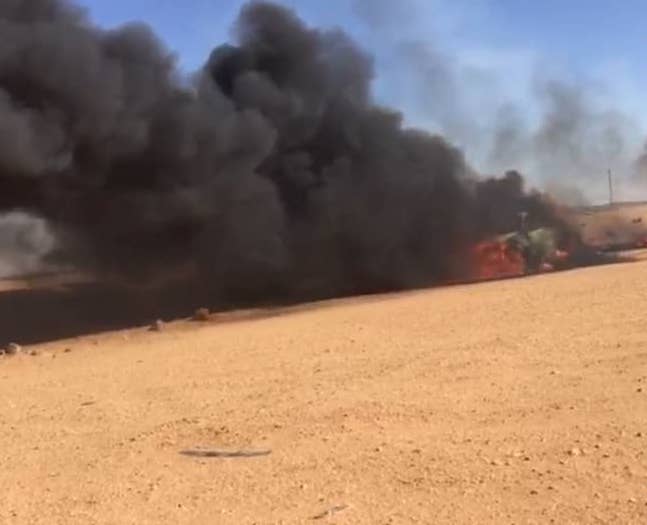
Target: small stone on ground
(157, 326)
(13, 349)
(201, 314)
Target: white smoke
(24, 243)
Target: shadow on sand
(38, 311)
(37, 315)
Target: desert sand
(520, 401)
(616, 225)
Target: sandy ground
(521, 401)
(622, 223)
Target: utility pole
(610, 188)
(523, 221)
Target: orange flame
(495, 260)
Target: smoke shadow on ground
(31, 316)
(45, 314)
(41, 314)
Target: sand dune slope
(522, 401)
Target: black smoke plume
(273, 175)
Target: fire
(495, 260)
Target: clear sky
(491, 50)
(591, 39)
(579, 33)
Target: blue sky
(590, 40)
(492, 50)
(581, 33)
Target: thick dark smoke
(273, 176)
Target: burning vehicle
(518, 253)
(270, 175)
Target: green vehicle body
(537, 247)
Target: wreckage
(517, 253)
(537, 248)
